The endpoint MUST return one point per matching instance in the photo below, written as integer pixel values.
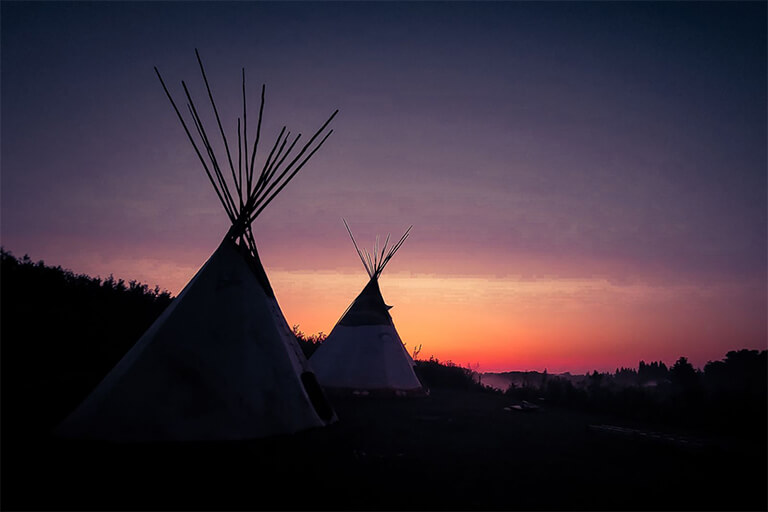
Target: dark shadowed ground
(451, 450)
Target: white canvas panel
(219, 363)
(365, 357)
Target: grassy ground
(451, 450)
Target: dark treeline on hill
(61, 333)
(727, 396)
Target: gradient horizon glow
(586, 181)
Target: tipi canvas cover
(363, 352)
(220, 362)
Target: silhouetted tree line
(434, 373)
(730, 395)
(61, 333)
(308, 342)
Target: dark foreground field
(451, 450)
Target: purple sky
(617, 141)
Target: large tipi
(221, 361)
(363, 353)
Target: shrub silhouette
(435, 374)
(308, 342)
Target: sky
(586, 181)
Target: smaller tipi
(363, 353)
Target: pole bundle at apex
(375, 264)
(252, 195)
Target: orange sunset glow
(501, 322)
